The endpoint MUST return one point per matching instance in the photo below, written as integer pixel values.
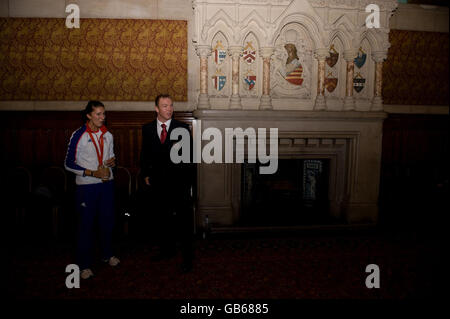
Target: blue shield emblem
(219, 81)
(360, 59)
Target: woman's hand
(111, 162)
(102, 172)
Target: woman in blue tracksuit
(90, 156)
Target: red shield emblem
(332, 59)
(330, 84)
(249, 56)
(295, 77)
(249, 53)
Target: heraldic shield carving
(219, 80)
(330, 83)
(361, 58)
(249, 53)
(250, 81)
(333, 58)
(358, 82)
(219, 53)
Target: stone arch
(305, 21)
(220, 22)
(254, 23)
(342, 37)
(375, 45)
(247, 33)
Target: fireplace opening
(296, 195)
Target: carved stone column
(377, 101)
(266, 101)
(203, 51)
(235, 101)
(320, 55)
(349, 100)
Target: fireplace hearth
(296, 195)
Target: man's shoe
(113, 261)
(86, 273)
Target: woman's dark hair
(89, 108)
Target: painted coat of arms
(333, 58)
(219, 53)
(219, 80)
(250, 81)
(361, 58)
(249, 53)
(358, 82)
(330, 83)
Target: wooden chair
(54, 179)
(17, 190)
(123, 191)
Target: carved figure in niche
(293, 69)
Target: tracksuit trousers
(94, 201)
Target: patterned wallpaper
(416, 71)
(105, 59)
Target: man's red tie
(163, 133)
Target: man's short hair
(162, 96)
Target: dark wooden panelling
(414, 172)
(40, 139)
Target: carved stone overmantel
(295, 29)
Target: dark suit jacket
(175, 179)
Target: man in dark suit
(170, 184)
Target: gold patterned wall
(416, 71)
(105, 59)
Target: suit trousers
(174, 222)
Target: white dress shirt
(159, 128)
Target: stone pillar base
(265, 103)
(349, 103)
(320, 104)
(235, 102)
(377, 104)
(203, 102)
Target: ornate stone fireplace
(312, 69)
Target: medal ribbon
(100, 143)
